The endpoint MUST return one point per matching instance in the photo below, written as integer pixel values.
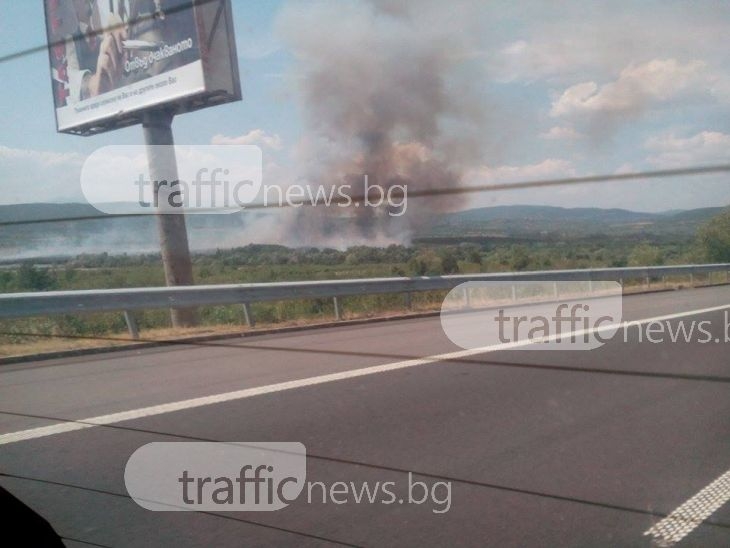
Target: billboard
(111, 60)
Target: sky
(525, 91)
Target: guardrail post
(556, 292)
(467, 297)
(250, 320)
(338, 310)
(691, 279)
(590, 286)
(131, 325)
(648, 281)
(407, 298)
(727, 276)
(514, 293)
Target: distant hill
(34, 212)
(702, 214)
(546, 213)
(531, 221)
(139, 234)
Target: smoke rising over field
(383, 95)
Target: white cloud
(40, 176)
(253, 137)
(557, 133)
(530, 61)
(43, 157)
(560, 41)
(637, 86)
(624, 168)
(549, 168)
(704, 148)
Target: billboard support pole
(174, 247)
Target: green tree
(6, 279)
(425, 263)
(520, 258)
(646, 255)
(449, 262)
(31, 278)
(714, 238)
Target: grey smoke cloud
(386, 92)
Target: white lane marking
(692, 513)
(81, 424)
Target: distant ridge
(39, 211)
(35, 212)
(593, 214)
(118, 234)
(528, 221)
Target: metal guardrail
(19, 305)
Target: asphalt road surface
(540, 448)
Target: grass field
(257, 263)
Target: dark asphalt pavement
(541, 448)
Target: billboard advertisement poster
(113, 59)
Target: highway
(541, 448)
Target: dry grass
(44, 344)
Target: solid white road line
(692, 513)
(81, 424)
